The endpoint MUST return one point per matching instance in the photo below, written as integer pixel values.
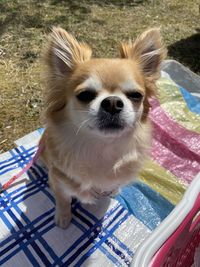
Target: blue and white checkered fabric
(106, 234)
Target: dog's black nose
(112, 104)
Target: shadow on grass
(80, 9)
(75, 3)
(17, 13)
(187, 51)
(11, 16)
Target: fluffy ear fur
(64, 52)
(61, 56)
(147, 50)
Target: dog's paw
(62, 220)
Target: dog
(97, 131)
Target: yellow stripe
(172, 101)
(162, 181)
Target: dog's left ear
(148, 51)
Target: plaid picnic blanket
(109, 233)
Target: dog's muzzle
(109, 117)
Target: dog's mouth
(110, 123)
(111, 126)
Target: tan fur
(148, 51)
(81, 163)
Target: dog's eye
(86, 96)
(135, 96)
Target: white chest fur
(101, 164)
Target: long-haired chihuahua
(97, 130)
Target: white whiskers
(82, 125)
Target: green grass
(103, 24)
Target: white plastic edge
(146, 251)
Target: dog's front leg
(63, 199)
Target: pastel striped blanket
(109, 233)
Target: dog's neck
(91, 141)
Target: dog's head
(107, 97)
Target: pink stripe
(188, 138)
(174, 147)
(183, 168)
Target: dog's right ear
(64, 52)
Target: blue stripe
(40, 233)
(25, 234)
(24, 189)
(87, 213)
(28, 242)
(40, 169)
(90, 240)
(39, 185)
(88, 233)
(29, 195)
(117, 252)
(14, 155)
(102, 240)
(28, 152)
(31, 173)
(29, 189)
(147, 205)
(14, 218)
(110, 256)
(7, 223)
(192, 102)
(78, 225)
(115, 239)
(75, 206)
(81, 249)
(31, 258)
(45, 179)
(36, 173)
(33, 244)
(7, 160)
(17, 163)
(43, 242)
(122, 245)
(40, 253)
(84, 229)
(19, 190)
(26, 251)
(37, 188)
(83, 219)
(48, 249)
(15, 235)
(7, 170)
(109, 244)
(13, 232)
